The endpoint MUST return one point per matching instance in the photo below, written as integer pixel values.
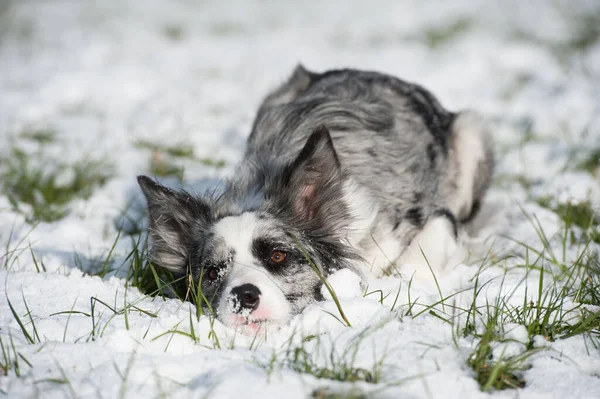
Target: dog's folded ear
(313, 178)
(173, 217)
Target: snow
(104, 75)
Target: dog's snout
(247, 295)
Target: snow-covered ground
(107, 76)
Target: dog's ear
(173, 216)
(299, 81)
(313, 174)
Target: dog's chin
(252, 324)
(248, 325)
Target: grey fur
(312, 137)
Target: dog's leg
(433, 249)
(472, 162)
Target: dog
(343, 169)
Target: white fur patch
(238, 233)
(380, 251)
(362, 211)
(469, 148)
(435, 247)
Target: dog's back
(414, 158)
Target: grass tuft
(159, 282)
(336, 366)
(40, 136)
(591, 163)
(493, 373)
(173, 32)
(302, 361)
(500, 374)
(327, 393)
(563, 304)
(10, 360)
(150, 279)
(30, 337)
(42, 193)
(168, 160)
(435, 37)
(580, 214)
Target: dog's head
(258, 251)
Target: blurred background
(94, 93)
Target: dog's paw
(432, 251)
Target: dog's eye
(213, 273)
(278, 256)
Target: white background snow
(104, 75)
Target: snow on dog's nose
(244, 299)
(252, 301)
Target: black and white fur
(344, 169)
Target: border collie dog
(343, 169)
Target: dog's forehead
(238, 233)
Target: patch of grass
(162, 167)
(327, 393)
(32, 336)
(16, 26)
(180, 150)
(548, 314)
(96, 316)
(42, 193)
(173, 32)
(591, 163)
(563, 304)
(40, 136)
(139, 273)
(499, 374)
(437, 36)
(100, 266)
(580, 214)
(167, 160)
(302, 361)
(195, 293)
(588, 290)
(156, 281)
(487, 325)
(12, 254)
(584, 34)
(150, 279)
(11, 359)
(336, 366)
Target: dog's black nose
(247, 295)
